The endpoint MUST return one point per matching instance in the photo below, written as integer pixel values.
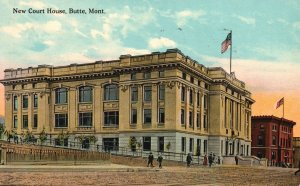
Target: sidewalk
(75, 168)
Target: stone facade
(166, 101)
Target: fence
(14, 153)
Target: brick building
(272, 138)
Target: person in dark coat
(189, 159)
(236, 159)
(298, 168)
(159, 159)
(210, 159)
(205, 160)
(150, 160)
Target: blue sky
(266, 35)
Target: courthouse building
(166, 101)
(272, 138)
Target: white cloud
(52, 26)
(297, 25)
(49, 42)
(262, 75)
(95, 33)
(183, 16)
(155, 43)
(247, 20)
(17, 29)
(33, 4)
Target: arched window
(61, 95)
(85, 94)
(111, 92)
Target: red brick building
(272, 138)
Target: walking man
(210, 159)
(159, 159)
(150, 160)
(236, 159)
(298, 168)
(189, 159)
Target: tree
(62, 138)
(43, 136)
(28, 137)
(2, 130)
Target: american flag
(280, 102)
(226, 43)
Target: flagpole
(283, 109)
(230, 50)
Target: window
(134, 93)
(205, 146)
(25, 121)
(161, 144)
(191, 145)
(147, 93)
(15, 121)
(35, 100)
(110, 144)
(33, 85)
(35, 121)
(198, 120)
(262, 126)
(161, 92)
(147, 75)
(192, 79)
(182, 117)
(147, 116)
(183, 75)
(111, 92)
(198, 99)
(25, 102)
(205, 101)
(182, 93)
(133, 116)
(191, 97)
(183, 144)
(274, 127)
(146, 143)
(273, 156)
(85, 119)
(191, 119)
(204, 121)
(161, 73)
(133, 76)
(260, 140)
(161, 115)
(199, 147)
(273, 140)
(111, 119)
(85, 94)
(15, 102)
(199, 83)
(61, 95)
(61, 120)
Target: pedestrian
(210, 159)
(236, 159)
(189, 159)
(150, 160)
(205, 160)
(298, 168)
(159, 159)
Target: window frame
(61, 96)
(59, 118)
(147, 115)
(85, 115)
(111, 92)
(85, 94)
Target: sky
(265, 37)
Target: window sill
(61, 127)
(111, 126)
